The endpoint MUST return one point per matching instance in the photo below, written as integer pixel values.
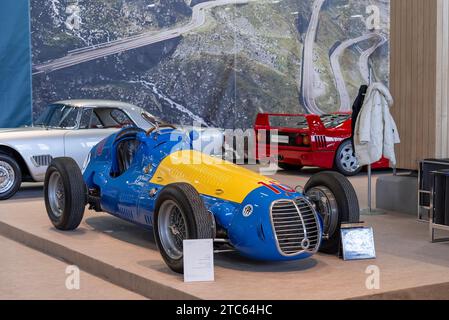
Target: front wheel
(65, 194)
(345, 160)
(180, 214)
(336, 201)
(10, 177)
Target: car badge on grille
(248, 210)
(305, 244)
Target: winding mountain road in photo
(345, 100)
(308, 72)
(110, 48)
(364, 58)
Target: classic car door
(78, 143)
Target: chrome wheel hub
(172, 229)
(56, 194)
(327, 207)
(348, 160)
(7, 177)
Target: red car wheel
(345, 160)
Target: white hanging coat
(375, 132)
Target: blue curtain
(15, 64)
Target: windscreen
(58, 116)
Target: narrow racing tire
(179, 215)
(289, 167)
(10, 176)
(336, 201)
(65, 194)
(345, 160)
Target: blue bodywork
(128, 196)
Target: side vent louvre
(126, 212)
(148, 220)
(42, 161)
(321, 141)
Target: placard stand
(346, 225)
(357, 242)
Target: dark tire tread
(348, 203)
(200, 221)
(75, 194)
(202, 215)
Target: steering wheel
(165, 125)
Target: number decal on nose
(276, 187)
(283, 187)
(276, 191)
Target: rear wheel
(345, 160)
(65, 194)
(336, 201)
(180, 215)
(10, 177)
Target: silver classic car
(66, 129)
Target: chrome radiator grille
(296, 226)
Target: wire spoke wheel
(180, 214)
(56, 194)
(172, 228)
(7, 177)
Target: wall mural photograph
(217, 63)
(250, 150)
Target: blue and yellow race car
(157, 179)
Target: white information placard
(358, 243)
(199, 260)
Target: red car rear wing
(315, 125)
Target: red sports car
(311, 140)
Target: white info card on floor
(198, 260)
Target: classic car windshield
(58, 116)
(152, 120)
